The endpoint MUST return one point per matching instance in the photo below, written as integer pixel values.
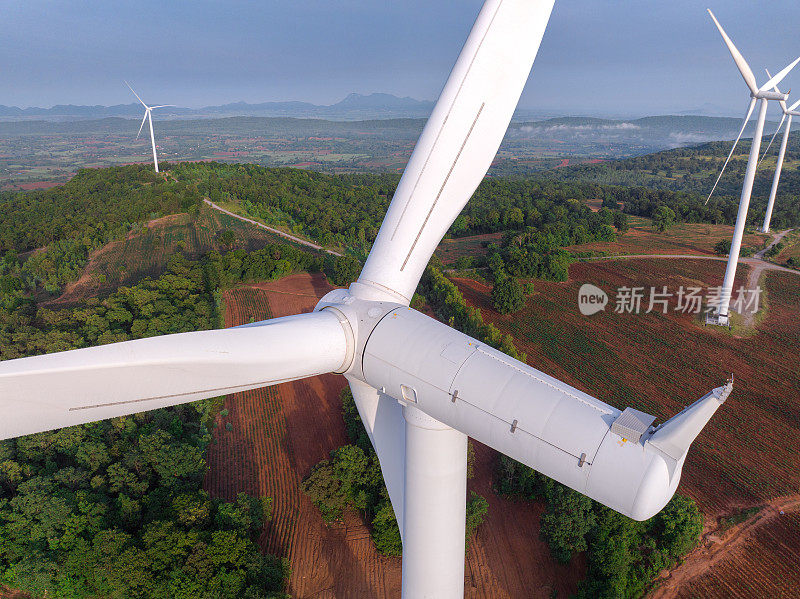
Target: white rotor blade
(137, 95)
(793, 106)
(383, 418)
(161, 106)
(744, 124)
(144, 118)
(85, 385)
(459, 141)
(779, 77)
(741, 63)
(783, 118)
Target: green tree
(722, 247)
(345, 270)
(663, 218)
(566, 523)
(508, 295)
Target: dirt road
(271, 229)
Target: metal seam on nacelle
(515, 426)
(446, 117)
(366, 341)
(551, 385)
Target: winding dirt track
(270, 229)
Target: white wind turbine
(420, 386)
(788, 113)
(765, 94)
(148, 116)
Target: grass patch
(739, 517)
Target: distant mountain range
(353, 107)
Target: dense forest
(686, 176)
(116, 508)
(60, 226)
(46, 236)
(347, 210)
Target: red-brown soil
(279, 434)
(39, 185)
(757, 558)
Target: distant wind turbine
(764, 94)
(788, 113)
(148, 116)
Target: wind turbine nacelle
(614, 457)
(770, 95)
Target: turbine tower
(420, 386)
(148, 116)
(788, 113)
(763, 93)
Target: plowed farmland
(748, 455)
(759, 557)
(278, 434)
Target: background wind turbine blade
(744, 124)
(85, 385)
(144, 118)
(135, 94)
(795, 105)
(458, 142)
(741, 63)
(783, 118)
(161, 106)
(774, 81)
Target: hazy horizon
(622, 59)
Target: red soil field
(564, 162)
(450, 250)
(757, 558)
(39, 185)
(279, 434)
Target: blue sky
(598, 57)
